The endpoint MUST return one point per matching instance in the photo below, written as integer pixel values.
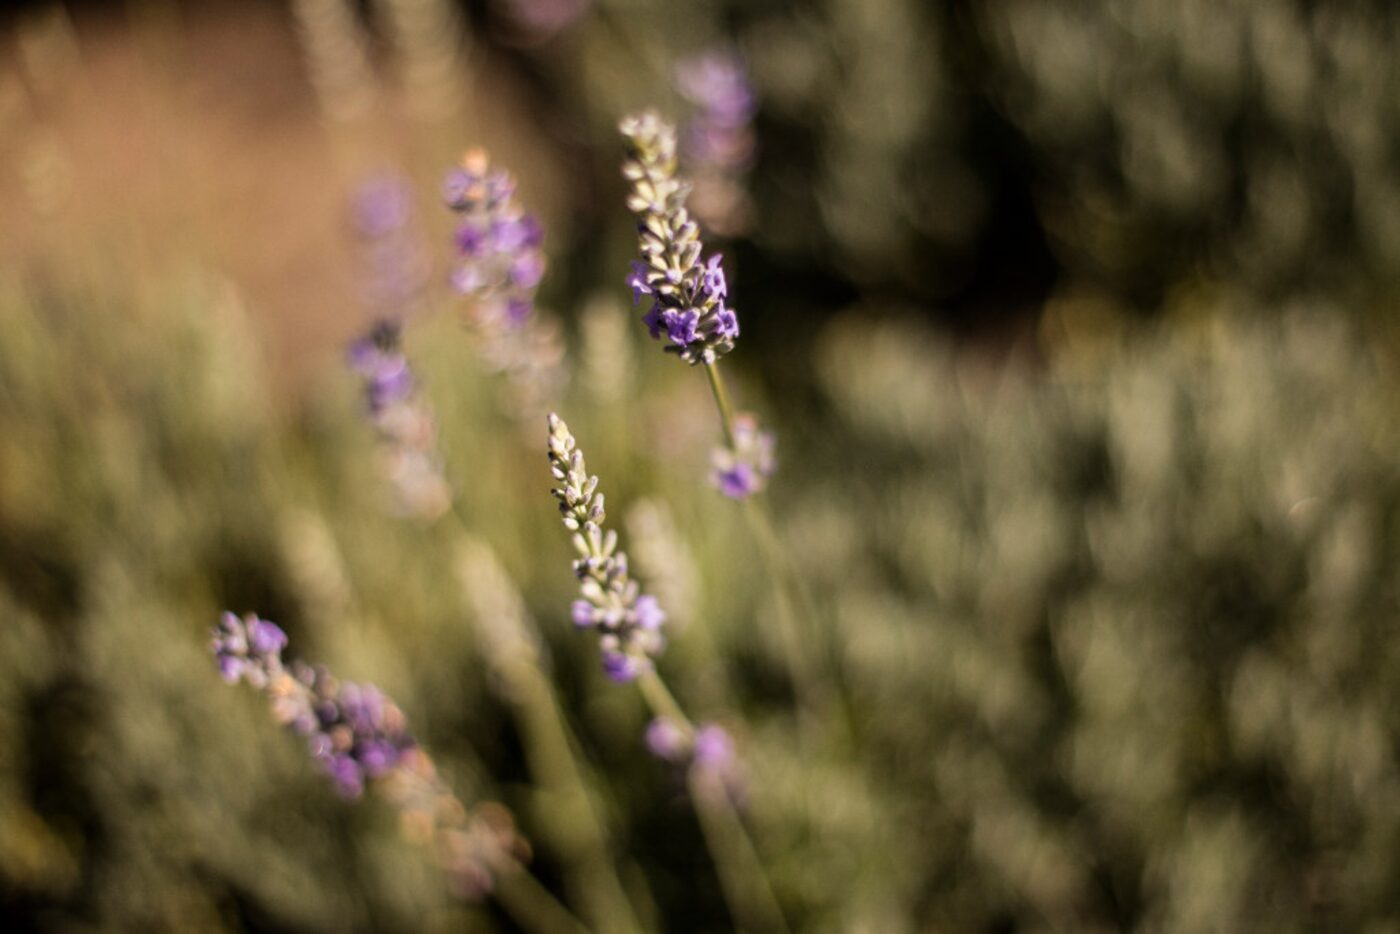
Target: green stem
(726, 411)
(807, 682)
(661, 701)
(788, 590)
(740, 870)
(579, 836)
(529, 903)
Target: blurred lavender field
(1012, 534)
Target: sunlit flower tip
(627, 621)
(688, 295)
(666, 740)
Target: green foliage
(1120, 633)
(1107, 645)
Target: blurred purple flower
(742, 470)
(666, 740)
(403, 421)
(719, 138)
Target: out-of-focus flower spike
(360, 739)
(500, 263)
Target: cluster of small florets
(688, 296)
(743, 469)
(718, 140)
(628, 621)
(353, 731)
(360, 737)
(404, 422)
(499, 262)
(499, 265)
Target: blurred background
(1077, 326)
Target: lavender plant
(689, 304)
(628, 621)
(688, 298)
(513, 649)
(360, 739)
(404, 422)
(498, 267)
(718, 140)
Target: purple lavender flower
(687, 296)
(717, 81)
(713, 748)
(248, 649)
(353, 731)
(714, 763)
(500, 264)
(666, 740)
(628, 621)
(719, 138)
(742, 470)
(707, 748)
(360, 739)
(403, 420)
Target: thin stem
(530, 904)
(726, 411)
(661, 701)
(550, 749)
(740, 870)
(805, 678)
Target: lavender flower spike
(360, 738)
(500, 262)
(404, 422)
(628, 621)
(688, 296)
(718, 140)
